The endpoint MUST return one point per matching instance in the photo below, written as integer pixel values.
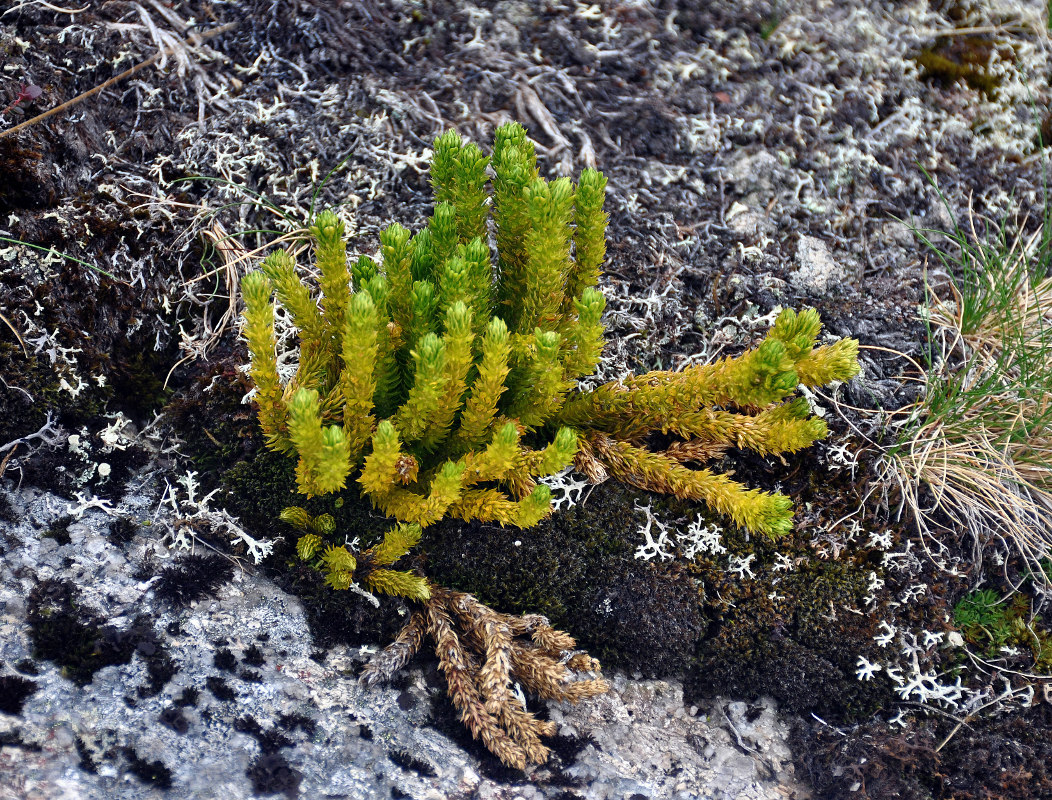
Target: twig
(194, 39)
(48, 6)
(738, 736)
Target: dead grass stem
(980, 439)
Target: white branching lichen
(189, 512)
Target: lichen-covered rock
(817, 271)
(172, 682)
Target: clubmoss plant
(443, 380)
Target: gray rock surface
(295, 720)
(817, 272)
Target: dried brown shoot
(481, 653)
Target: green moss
(138, 381)
(218, 430)
(579, 569)
(960, 58)
(258, 489)
(31, 388)
(341, 617)
(790, 635)
(643, 616)
(58, 530)
(990, 624)
(79, 641)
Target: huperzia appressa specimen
(443, 380)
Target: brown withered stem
(481, 652)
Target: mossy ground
(784, 634)
(14, 689)
(578, 568)
(794, 634)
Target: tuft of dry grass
(980, 437)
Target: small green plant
(982, 618)
(771, 22)
(991, 623)
(443, 379)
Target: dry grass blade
(975, 489)
(14, 330)
(980, 439)
(231, 254)
(43, 4)
(233, 257)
